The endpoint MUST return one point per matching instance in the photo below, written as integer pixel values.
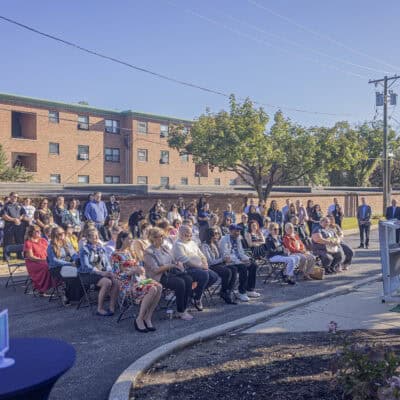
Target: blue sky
(230, 55)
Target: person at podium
(393, 213)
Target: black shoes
(149, 328)
(228, 298)
(145, 330)
(361, 246)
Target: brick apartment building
(77, 143)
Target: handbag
(317, 273)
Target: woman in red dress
(35, 250)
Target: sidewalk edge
(122, 387)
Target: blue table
(39, 362)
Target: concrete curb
(122, 386)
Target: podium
(390, 260)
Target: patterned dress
(136, 286)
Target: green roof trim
(81, 108)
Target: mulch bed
(284, 366)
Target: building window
(54, 117)
(232, 182)
(184, 181)
(184, 157)
(54, 148)
(142, 127)
(112, 126)
(164, 181)
(111, 179)
(83, 178)
(142, 154)
(112, 155)
(217, 181)
(142, 180)
(83, 122)
(26, 160)
(164, 130)
(23, 125)
(164, 157)
(83, 152)
(55, 178)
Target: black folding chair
(14, 265)
(125, 303)
(211, 292)
(89, 294)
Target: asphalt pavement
(105, 348)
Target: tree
(10, 174)
(362, 148)
(237, 141)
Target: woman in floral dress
(132, 281)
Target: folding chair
(14, 265)
(125, 303)
(212, 291)
(86, 299)
(68, 273)
(275, 271)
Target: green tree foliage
(237, 141)
(287, 153)
(9, 174)
(361, 147)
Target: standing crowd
(183, 250)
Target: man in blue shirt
(96, 210)
(364, 214)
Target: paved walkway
(105, 348)
(360, 309)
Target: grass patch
(351, 222)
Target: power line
(320, 35)
(264, 42)
(153, 73)
(296, 44)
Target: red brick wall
(67, 135)
(218, 201)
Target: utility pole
(386, 161)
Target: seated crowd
(183, 250)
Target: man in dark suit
(393, 212)
(364, 214)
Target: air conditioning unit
(83, 126)
(163, 161)
(84, 156)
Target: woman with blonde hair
(189, 254)
(161, 266)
